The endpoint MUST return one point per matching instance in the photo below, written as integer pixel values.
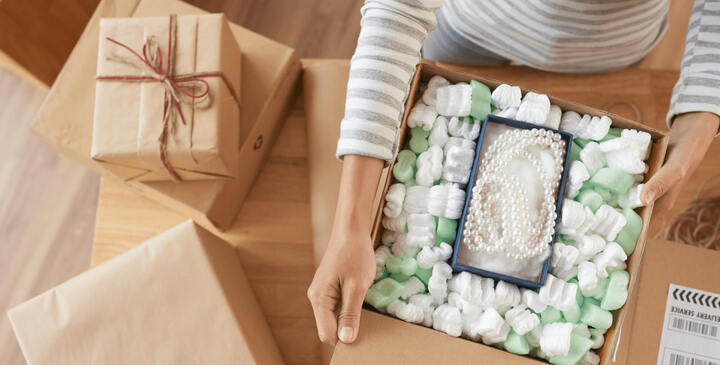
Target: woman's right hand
(347, 268)
(338, 289)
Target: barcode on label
(677, 359)
(694, 327)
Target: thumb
(349, 318)
(661, 183)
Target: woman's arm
(694, 108)
(387, 53)
(348, 267)
(388, 50)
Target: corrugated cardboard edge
(659, 149)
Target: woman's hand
(347, 269)
(690, 138)
(338, 289)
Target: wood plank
(46, 209)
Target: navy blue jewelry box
(568, 138)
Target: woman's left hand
(690, 138)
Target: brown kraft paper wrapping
(179, 298)
(270, 71)
(129, 115)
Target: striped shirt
(575, 36)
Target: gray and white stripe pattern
(698, 88)
(575, 36)
(387, 52)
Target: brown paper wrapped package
(179, 298)
(202, 133)
(270, 73)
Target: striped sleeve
(698, 88)
(388, 49)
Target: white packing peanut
(458, 164)
(421, 230)
(492, 327)
(381, 254)
(564, 257)
(447, 318)
(507, 295)
(427, 303)
(521, 320)
(454, 100)
(439, 132)
(592, 156)
(416, 199)
(406, 311)
(608, 222)
(640, 141)
(429, 166)
(412, 287)
(429, 97)
(553, 118)
(509, 113)
(446, 201)
(396, 224)
(401, 248)
(531, 299)
(555, 339)
(558, 293)
(587, 278)
(632, 198)
(437, 284)
(394, 200)
(430, 255)
(422, 115)
(612, 257)
(534, 108)
(506, 96)
(577, 175)
(589, 246)
(463, 127)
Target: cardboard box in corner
(677, 313)
(270, 74)
(179, 298)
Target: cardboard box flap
(387, 340)
(180, 297)
(666, 263)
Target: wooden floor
(48, 203)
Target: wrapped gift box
(270, 73)
(167, 98)
(179, 298)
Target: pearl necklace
(499, 218)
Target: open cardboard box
(411, 343)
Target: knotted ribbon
(179, 89)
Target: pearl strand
(499, 216)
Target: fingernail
(345, 334)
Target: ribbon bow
(179, 89)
